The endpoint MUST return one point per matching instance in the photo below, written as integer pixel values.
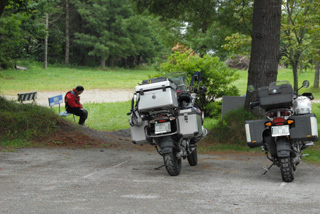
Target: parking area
(53, 180)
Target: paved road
(124, 181)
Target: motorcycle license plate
(162, 128)
(280, 130)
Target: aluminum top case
(156, 95)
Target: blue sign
(56, 100)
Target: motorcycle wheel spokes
(286, 167)
(193, 158)
(172, 163)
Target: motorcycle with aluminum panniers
(164, 113)
(289, 127)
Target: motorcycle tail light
(290, 121)
(279, 121)
(268, 123)
(162, 121)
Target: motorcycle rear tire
(193, 158)
(172, 163)
(287, 169)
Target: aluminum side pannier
(254, 132)
(305, 128)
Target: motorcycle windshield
(180, 79)
(281, 82)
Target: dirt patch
(69, 135)
(72, 135)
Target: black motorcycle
(164, 114)
(289, 127)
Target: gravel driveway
(39, 180)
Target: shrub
(215, 75)
(230, 129)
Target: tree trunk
(67, 34)
(316, 75)
(263, 67)
(46, 43)
(111, 61)
(103, 63)
(3, 4)
(295, 75)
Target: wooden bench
(57, 100)
(27, 97)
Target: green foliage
(299, 33)
(11, 38)
(313, 154)
(215, 109)
(230, 129)
(238, 44)
(25, 121)
(215, 75)
(206, 23)
(20, 30)
(114, 31)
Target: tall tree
(67, 51)
(300, 31)
(17, 5)
(103, 34)
(19, 30)
(206, 22)
(316, 73)
(45, 64)
(263, 67)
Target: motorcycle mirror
(202, 89)
(305, 84)
(251, 88)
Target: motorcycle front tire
(193, 158)
(287, 169)
(172, 163)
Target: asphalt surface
(39, 180)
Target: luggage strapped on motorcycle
(135, 118)
(195, 77)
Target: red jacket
(72, 99)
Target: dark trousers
(82, 113)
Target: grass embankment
(19, 124)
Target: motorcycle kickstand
(157, 168)
(267, 169)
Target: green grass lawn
(58, 78)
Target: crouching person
(73, 105)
